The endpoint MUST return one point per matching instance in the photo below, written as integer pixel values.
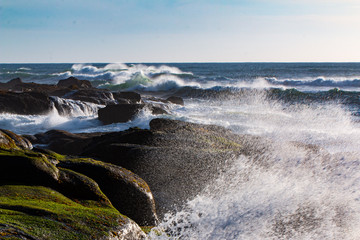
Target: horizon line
(190, 62)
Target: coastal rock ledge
(45, 195)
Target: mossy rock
(127, 192)
(19, 166)
(36, 212)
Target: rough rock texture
(24, 103)
(74, 83)
(98, 96)
(10, 140)
(127, 192)
(176, 100)
(17, 85)
(44, 195)
(177, 159)
(125, 112)
(10, 84)
(119, 113)
(132, 97)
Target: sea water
(304, 186)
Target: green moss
(37, 159)
(219, 143)
(10, 142)
(147, 229)
(53, 155)
(46, 214)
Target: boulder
(8, 140)
(74, 83)
(24, 103)
(119, 113)
(98, 96)
(62, 142)
(176, 100)
(10, 84)
(26, 168)
(127, 192)
(58, 195)
(37, 212)
(177, 159)
(132, 97)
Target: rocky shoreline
(60, 185)
(119, 185)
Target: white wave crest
(119, 73)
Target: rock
(14, 82)
(37, 212)
(127, 192)
(74, 83)
(9, 140)
(176, 100)
(129, 230)
(156, 110)
(133, 97)
(24, 103)
(62, 142)
(26, 168)
(57, 195)
(10, 84)
(86, 188)
(98, 96)
(177, 159)
(119, 113)
(16, 85)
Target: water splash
(304, 186)
(290, 193)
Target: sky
(89, 31)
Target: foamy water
(304, 187)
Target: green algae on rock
(41, 200)
(42, 213)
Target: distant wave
(119, 73)
(24, 69)
(318, 82)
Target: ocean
(297, 195)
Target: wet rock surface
(88, 189)
(177, 159)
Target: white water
(292, 191)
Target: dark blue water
(305, 76)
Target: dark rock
(133, 97)
(14, 82)
(24, 103)
(26, 168)
(10, 84)
(86, 188)
(157, 110)
(177, 159)
(127, 192)
(18, 86)
(62, 142)
(176, 100)
(59, 200)
(98, 96)
(74, 83)
(119, 113)
(34, 87)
